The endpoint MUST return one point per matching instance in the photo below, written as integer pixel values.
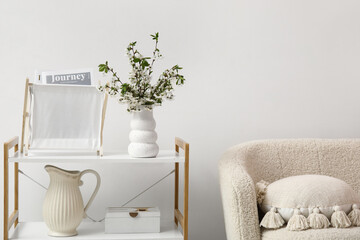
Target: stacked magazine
(72, 77)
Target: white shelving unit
(90, 230)
(164, 156)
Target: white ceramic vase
(63, 208)
(142, 135)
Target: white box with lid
(132, 220)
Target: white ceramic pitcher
(63, 208)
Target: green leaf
(176, 67)
(155, 36)
(124, 88)
(102, 67)
(144, 63)
(149, 103)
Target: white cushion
(306, 192)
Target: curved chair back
(275, 159)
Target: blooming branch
(139, 92)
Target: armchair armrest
(238, 197)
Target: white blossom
(140, 92)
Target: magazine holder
(63, 117)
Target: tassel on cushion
(339, 219)
(260, 188)
(297, 222)
(354, 215)
(272, 219)
(317, 220)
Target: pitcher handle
(98, 181)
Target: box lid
(128, 212)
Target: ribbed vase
(142, 135)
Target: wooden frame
(26, 120)
(13, 219)
(101, 150)
(183, 219)
(25, 115)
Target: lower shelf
(92, 231)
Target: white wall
(255, 69)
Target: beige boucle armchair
(245, 164)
